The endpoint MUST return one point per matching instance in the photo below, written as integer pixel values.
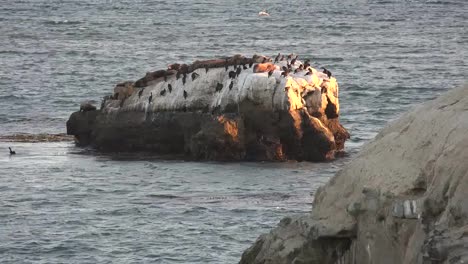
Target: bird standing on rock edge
(12, 152)
(150, 98)
(185, 94)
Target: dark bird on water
(270, 73)
(277, 57)
(251, 63)
(12, 152)
(194, 76)
(232, 74)
(327, 72)
(163, 92)
(244, 67)
(169, 87)
(231, 85)
(238, 71)
(219, 87)
(150, 99)
(185, 94)
(140, 93)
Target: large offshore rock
(402, 200)
(232, 108)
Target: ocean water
(60, 203)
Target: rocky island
(403, 199)
(230, 108)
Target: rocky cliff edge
(404, 199)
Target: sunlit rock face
(232, 108)
(403, 199)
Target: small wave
(163, 196)
(61, 22)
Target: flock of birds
(290, 62)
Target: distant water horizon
(61, 203)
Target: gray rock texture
(233, 108)
(403, 199)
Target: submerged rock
(221, 109)
(402, 200)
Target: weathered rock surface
(220, 109)
(404, 199)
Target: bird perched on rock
(282, 58)
(150, 98)
(232, 74)
(264, 60)
(327, 72)
(184, 79)
(231, 85)
(206, 69)
(12, 152)
(277, 57)
(284, 68)
(177, 75)
(244, 67)
(290, 56)
(308, 73)
(165, 76)
(270, 73)
(169, 87)
(219, 87)
(251, 63)
(226, 66)
(306, 63)
(293, 61)
(185, 94)
(163, 92)
(194, 76)
(285, 73)
(140, 93)
(238, 71)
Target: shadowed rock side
(402, 200)
(232, 108)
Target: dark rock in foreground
(402, 200)
(219, 110)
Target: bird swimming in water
(150, 98)
(185, 94)
(219, 87)
(140, 93)
(232, 74)
(169, 87)
(270, 73)
(194, 76)
(231, 85)
(12, 152)
(163, 92)
(277, 57)
(238, 71)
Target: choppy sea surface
(63, 204)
